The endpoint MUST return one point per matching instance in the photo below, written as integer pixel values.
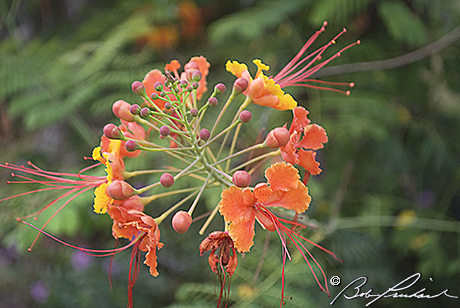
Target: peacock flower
(222, 259)
(305, 139)
(268, 91)
(241, 207)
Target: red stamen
(295, 75)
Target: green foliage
(402, 24)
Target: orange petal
(242, 233)
(300, 119)
(307, 160)
(236, 204)
(296, 199)
(282, 176)
(314, 137)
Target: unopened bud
(181, 221)
(195, 85)
(240, 85)
(196, 76)
(168, 105)
(167, 180)
(145, 112)
(158, 86)
(131, 145)
(138, 87)
(154, 96)
(193, 112)
(245, 116)
(241, 178)
(213, 101)
(220, 88)
(120, 190)
(277, 138)
(135, 109)
(112, 131)
(205, 134)
(165, 131)
(121, 109)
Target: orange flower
(268, 91)
(240, 207)
(222, 259)
(305, 139)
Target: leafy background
(388, 201)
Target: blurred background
(387, 202)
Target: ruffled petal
(314, 137)
(296, 199)
(242, 233)
(307, 159)
(282, 176)
(236, 204)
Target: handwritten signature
(394, 291)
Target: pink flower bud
(220, 88)
(240, 85)
(245, 116)
(165, 131)
(241, 178)
(193, 112)
(196, 76)
(158, 86)
(112, 131)
(213, 101)
(205, 134)
(277, 137)
(181, 221)
(131, 145)
(167, 180)
(168, 106)
(121, 109)
(120, 190)
(135, 109)
(138, 87)
(145, 112)
(191, 66)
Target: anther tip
(358, 42)
(29, 249)
(347, 93)
(18, 219)
(351, 85)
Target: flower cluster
(170, 119)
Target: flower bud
(138, 87)
(220, 88)
(168, 105)
(167, 180)
(131, 145)
(277, 137)
(181, 221)
(196, 76)
(121, 109)
(213, 101)
(241, 178)
(240, 85)
(158, 86)
(245, 116)
(120, 190)
(135, 109)
(154, 96)
(165, 131)
(193, 112)
(145, 112)
(195, 85)
(112, 131)
(205, 134)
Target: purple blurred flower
(39, 291)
